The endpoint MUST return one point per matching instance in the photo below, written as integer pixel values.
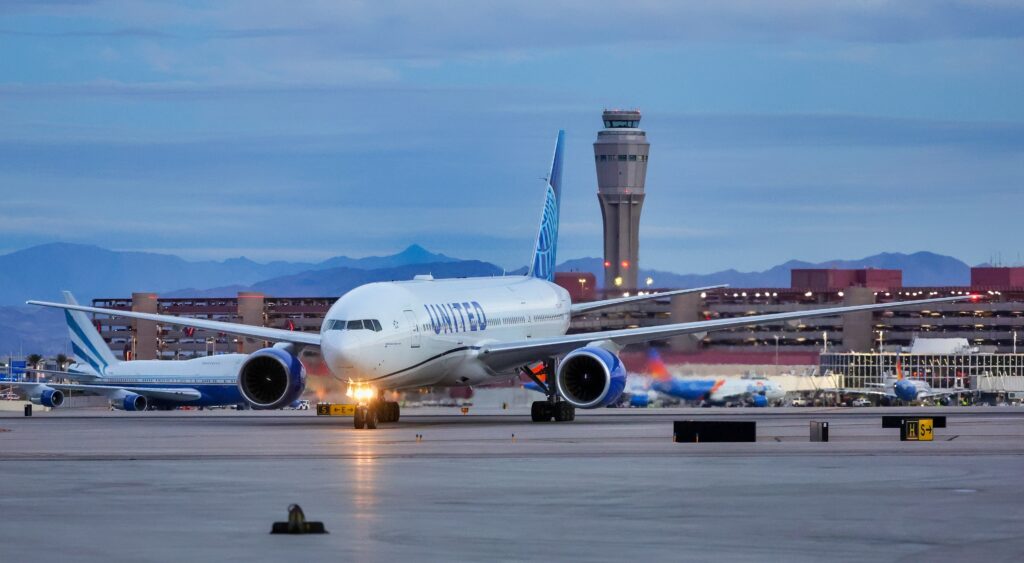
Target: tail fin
(899, 368)
(87, 345)
(655, 366)
(543, 266)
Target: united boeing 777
(458, 332)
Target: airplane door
(411, 318)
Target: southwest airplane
(712, 391)
(457, 332)
(139, 384)
(905, 389)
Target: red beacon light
(974, 297)
(607, 264)
(625, 263)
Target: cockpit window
(364, 324)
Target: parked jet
(905, 389)
(139, 384)
(458, 332)
(711, 391)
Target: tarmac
(92, 485)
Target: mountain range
(41, 272)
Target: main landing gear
(554, 408)
(372, 409)
(546, 411)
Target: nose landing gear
(371, 409)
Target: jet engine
(130, 402)
(271, 378)
(589, 378)
(759, 400)
(47, 397)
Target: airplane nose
(347, 353)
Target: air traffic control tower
(620, 154)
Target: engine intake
(130, 402)
(271, 378)
(589, 378)
(48, 397)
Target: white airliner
(139, 384)
(427, 332)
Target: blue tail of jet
(87, 345)
(543, 266)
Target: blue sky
(302, 130)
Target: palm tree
(62, 361)
(33, 362)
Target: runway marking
(951, 438)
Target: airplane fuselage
(428, 332)
(719, 390)
(216, 377)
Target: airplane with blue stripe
(718, 391)
(138, 385)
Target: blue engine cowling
(759, 400)
(271, 378)
(589, 378)
(48, 397)
(130, 402)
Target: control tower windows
(618, 124)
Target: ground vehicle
(799, 402)
(860, 403)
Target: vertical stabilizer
(87, 345)
(543, 265)
(656, 366)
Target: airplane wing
(76, 375)
(579, 308)
(237, 329)
(944, 393)
(501, 356)
(858, 391)
(176, 394)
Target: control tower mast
(620, 154)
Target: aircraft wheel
(540, 411)
(359, 418)
(564, 412)
(371, 418)
(396, 411)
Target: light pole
(1015, 342)
(776, 354)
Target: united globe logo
(547, 241)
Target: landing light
(360, 391)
